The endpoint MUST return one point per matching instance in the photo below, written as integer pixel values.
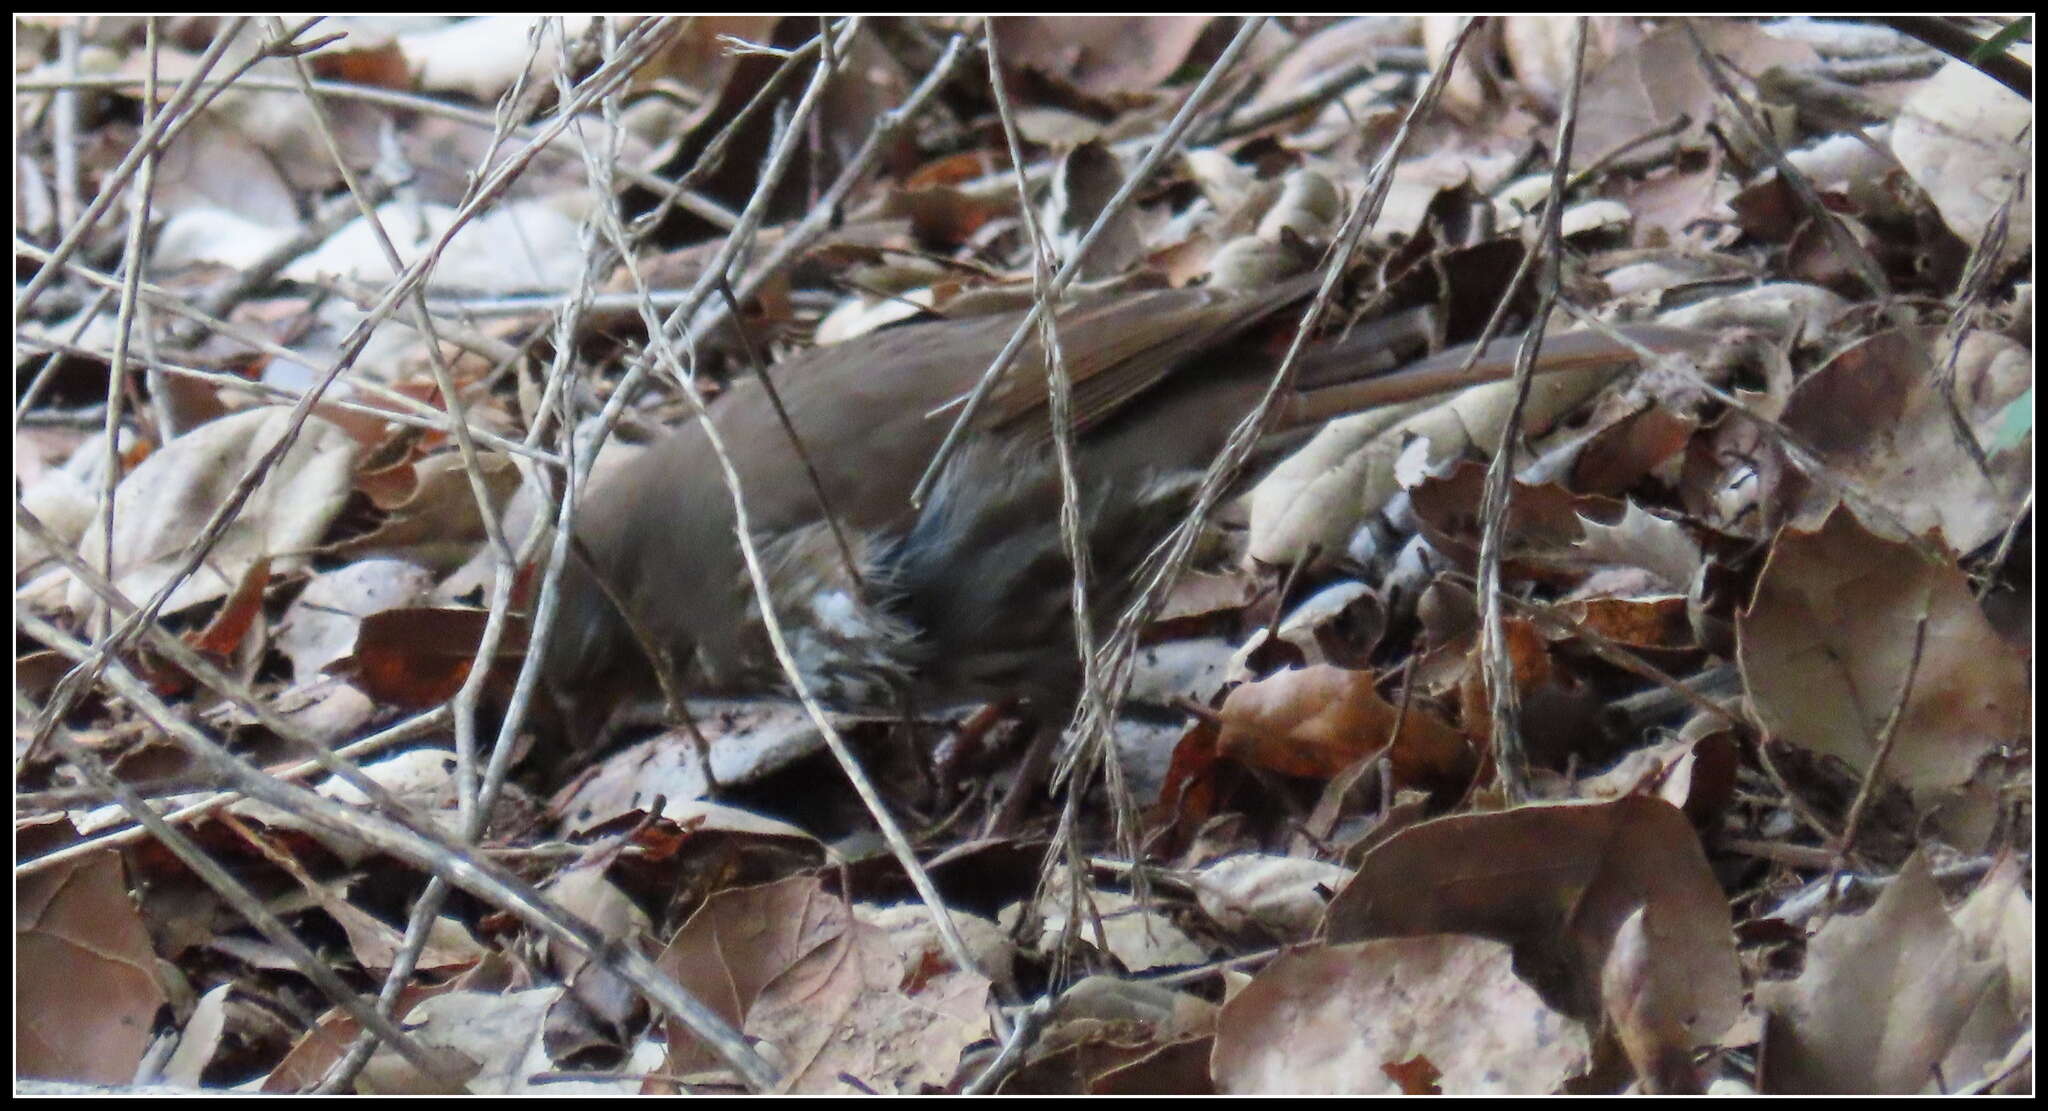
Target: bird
(966, 597)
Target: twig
(252, 279)
(1951, 38)
(1621, 150)
(1322, 90)
(1059, 414)
(205, 673)
(410, 729)
(427, 849)
(124, 324)
(479, 806)
(428, 420)
(152, 139)
(1024, 1032)
(1887, 737)
(612, 72)
(2005, 542)
(410, 410)
(245, 902)
(671, 193)
(1510, 757)
(64, 128)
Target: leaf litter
(1765, 609)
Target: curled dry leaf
(1277, 894)
(436, 521)
(1087, 178)
(484, 56)
(1104, 1024)
(1968, 141)
(320, 625)
(1694, 771)
(1780, 309)
(1138, 934)
(1545, 520)
(1315, 499)
(161, 506)
(492, 1040)
(61, 497)
(748, 741)
(1998, 918)
(1316, 721)
(199, 1040)
(1828, 647)
(1644, 540)
(1538, 47)
(1650, 1028)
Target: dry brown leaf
(1328, 50)
(1316, 498)
(1104, 1025)
(1341, 1019)
(492, 1040)
(1645, 540)
(1882, 1001)
(1281, 895)
(1104, 55)
(1621, 455)
(199, 1040)
(484, 56)
(1827, 647)
(1875, 416)
(749, 740)
(1556, 882)
(1694, 771)
(790, 964)
(1538, 48)
(1998, 918)
(1086, 179)
(1968, 141)
(85, 976)
(1139, 934)
(324, 1043)
(436, 523)
(320, 625)
(161, 505)
(1646, 1011)
(416, 656)
(1640, 90)
(1316, 721)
